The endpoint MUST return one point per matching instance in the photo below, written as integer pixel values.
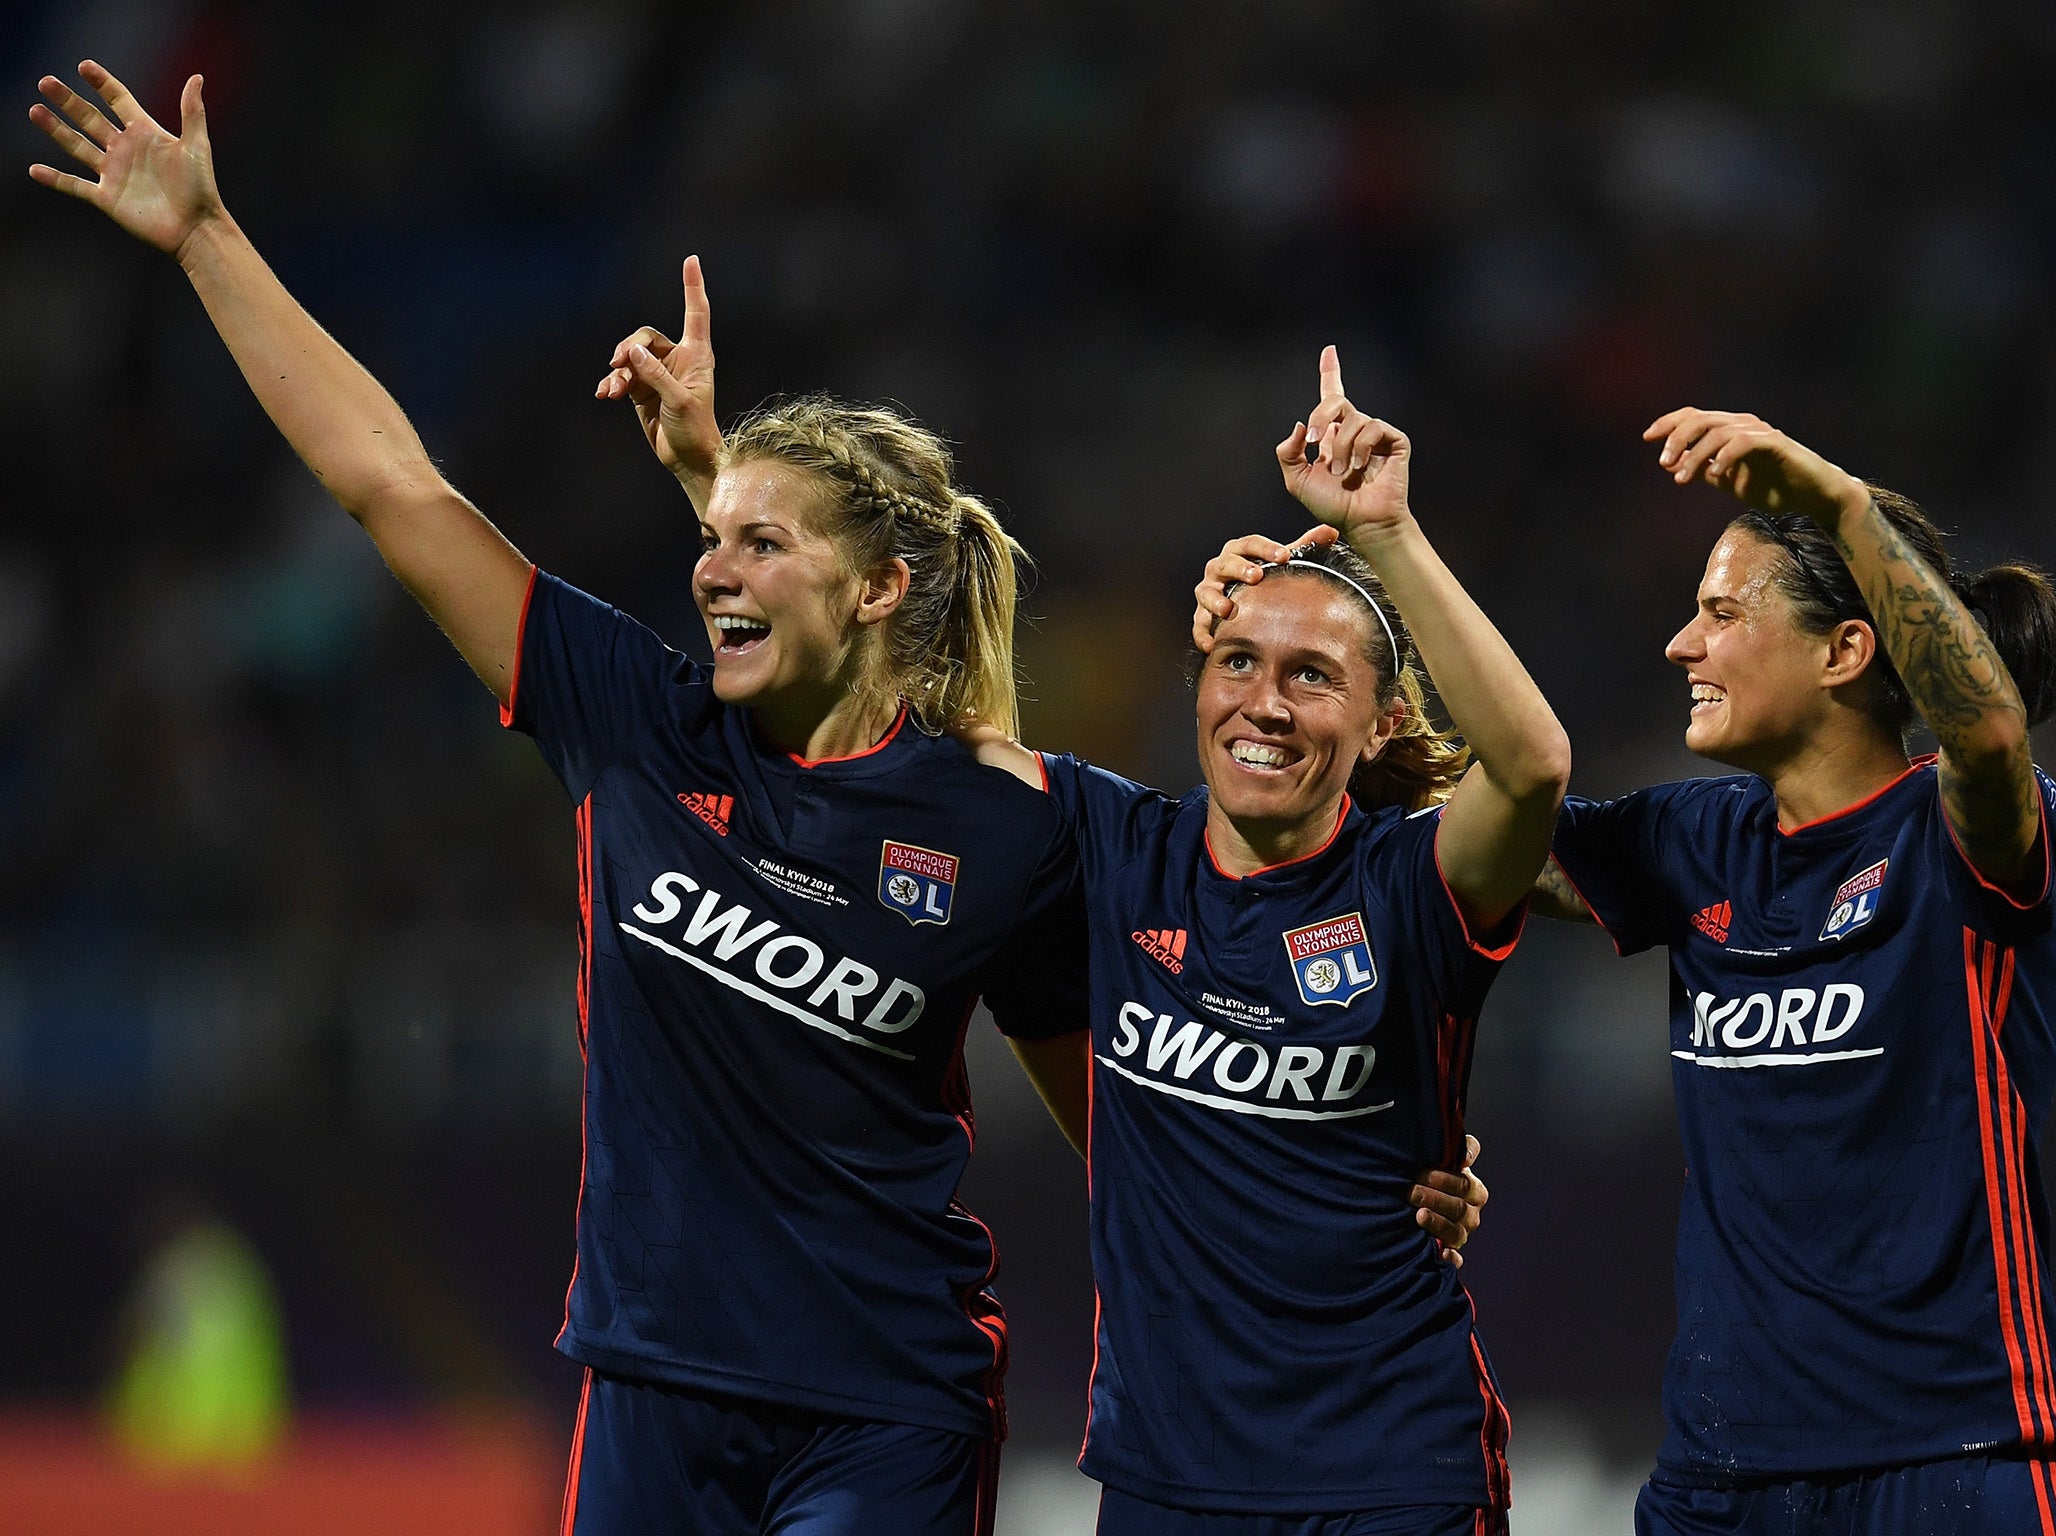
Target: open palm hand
(157, 186)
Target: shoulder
(1681, 802)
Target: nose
(714, 573)
(1686, 646)
(1264, 705)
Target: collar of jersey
(1341, 816)
(1848, 815)
(881, 754)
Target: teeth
(1262, 757)
(737, 621)
(1706, 693)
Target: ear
(1383, 729)
(1850, 646)
(884, 589)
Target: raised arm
(1496, 828)
(343, 425)
(1951, 671)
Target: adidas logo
(714, 810)
(1164, 944)
(1713, 921)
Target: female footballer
(790, 898)
(1863, 977)
(792, 890)
(1286, 971)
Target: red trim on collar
(849, 757)
(1849, 810)
(1341, 815)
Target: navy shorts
(1122, 1514)
(1964, 1496)
(648, 1460)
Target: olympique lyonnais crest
(917, 883)
(1855, 903)
(1331, 960)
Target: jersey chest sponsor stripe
(768, 999)
(2016, 1263)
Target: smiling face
(1760, 683)
(1288, 707)
(780, 603)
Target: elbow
(1544, 770)
(387, 492)
(1996, 749)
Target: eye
(1234, 661)
(760, 545)
(708, 541)
(1314, 675)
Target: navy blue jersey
(1862, 1053)
(777, 963)
(1276, 1058)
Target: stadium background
(286, 921)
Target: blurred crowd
(265, 855)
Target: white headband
(1293, 559)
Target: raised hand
(1357, 480)
(672, 386)
(1240, 562)
(1757, 464)
(158, 187)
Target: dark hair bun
(2017, 604)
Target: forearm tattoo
(1957, 682)
(1557, 898)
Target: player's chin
(743, 680)
(1271, 803)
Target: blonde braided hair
(886, 483)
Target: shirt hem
(1185, 1495)
(1699, 1476)
(757, 1389)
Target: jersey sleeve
(1458, 957)
(590, 684)
(1105, 812)
(2005, 916)
(1036, 985)
(1614, 853)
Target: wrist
(1848, 503)
(1371, 540)
(209, 234)
(698, 484)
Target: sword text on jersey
(1766, 1030)
(1251, 1078)
(719, 935)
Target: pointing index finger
(1331, 373)
(699, 316)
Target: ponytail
(947, 651)
(1420, 765)
(2016, 604)
(962, 668)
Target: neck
(1243, 848)
(1827, 777)
(839, 725)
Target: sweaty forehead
(1741, 568)
(763, 491)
